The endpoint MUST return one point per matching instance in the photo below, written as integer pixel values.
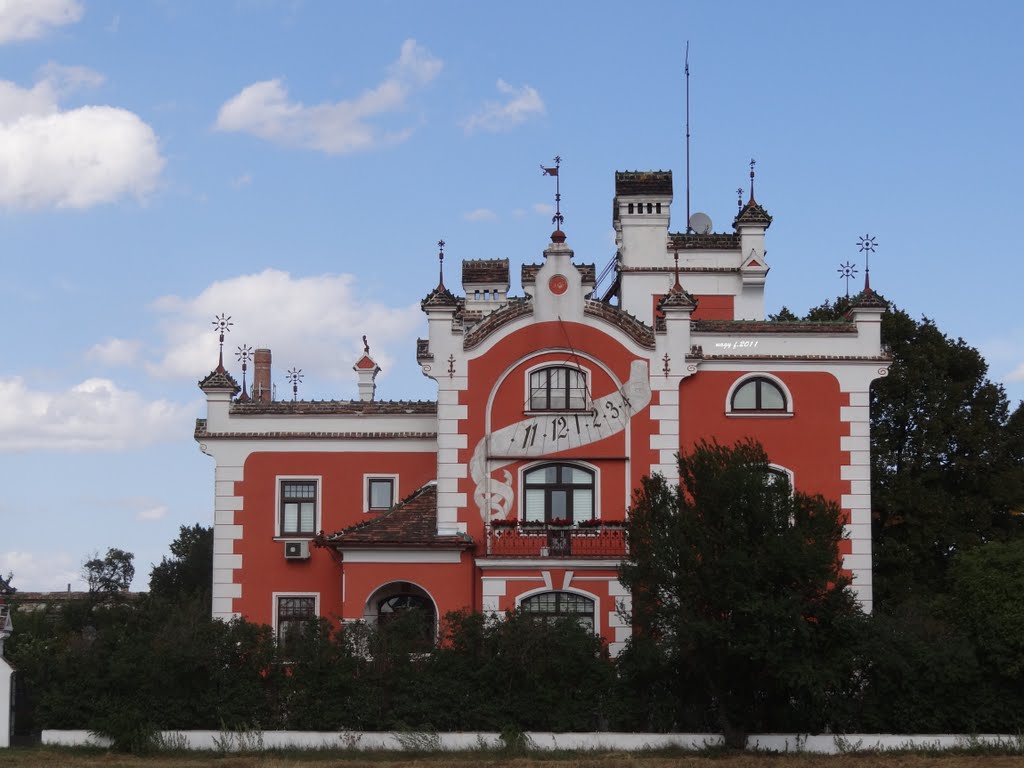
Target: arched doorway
(406, 608)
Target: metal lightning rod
(686, 69)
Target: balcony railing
(545, 540)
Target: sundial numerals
(542, 434)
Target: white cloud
(115, 351)
(149, 514)
(480, 214)
(243, 180)
(544, 208)
(29, 19)
(264, 109)
(521, 104)
(74, 158)
(42, 571)
(1017, 374)
(314, 323)
(93, 415)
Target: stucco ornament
(551, 433)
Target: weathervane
(222, 324)
(739, 198)
(244, 355)
(677, 287)
(867, 244)
(295, 376)
(440, 263)
(753, 162)
(847, 271)
(557, 219)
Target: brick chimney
(262, 391)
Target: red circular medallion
(558, 285)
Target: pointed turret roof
(219, 379)
(677, 299)
(753, 213)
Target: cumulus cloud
(29, 19)
(95, 415)
(115, 351)
(312, 320)
(480, 214)
(519, 105)
(545, 208)
(264, 109)
(42, 571)
(73, 158)
(1017, 374)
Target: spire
(558, 236)
(244, 355)
(222, 324)
(219, 378)
(752, 212)
(753, 162)
(440, 296)
(677, 287)
(866, 243)
(677, 297)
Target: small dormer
(486, 283)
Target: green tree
(109, 574)
(947, 456)
(737, 579)
(188, 572)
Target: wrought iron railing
(547, 540)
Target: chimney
(366, 369)
(261, 389)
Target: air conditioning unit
(296, 550)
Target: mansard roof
(753, 213)
(628, 183)
(410, 523)
(220, 379)
(485, 271)
(703, 242)
(528, 273)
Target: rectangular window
(380, 492)
(298, 507)
(292, 615)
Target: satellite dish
(700, 223)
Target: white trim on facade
(401, 555)
(787, 411)
(278, 534)
(274, 596)
(367, 477)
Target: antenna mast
(686, 69)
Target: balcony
(517, 539)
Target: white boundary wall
(6, 684)
(390, 740)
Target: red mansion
(510, 490)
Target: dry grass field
(50, 758)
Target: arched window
(558, 493)
(552, 606)
(558, 388)
(417, 610)
(758, 394)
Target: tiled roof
(220, 379)
(683, 241)
(423, 350)
(410, 523)
(485, 271)
(439, 297)
(753, 213)
(682, 270)
(513, 310)
(868, 298)
(765, 326)
(528, 273)
(677, 299)
(201, 433)
(319, 407)
(636, 329)
(643, 183)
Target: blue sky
(293, 164)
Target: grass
(94, 758)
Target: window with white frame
(558, 388)
(298, 507)
(552, 606)
(758, 395)
(293, 614)
(558, 493)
